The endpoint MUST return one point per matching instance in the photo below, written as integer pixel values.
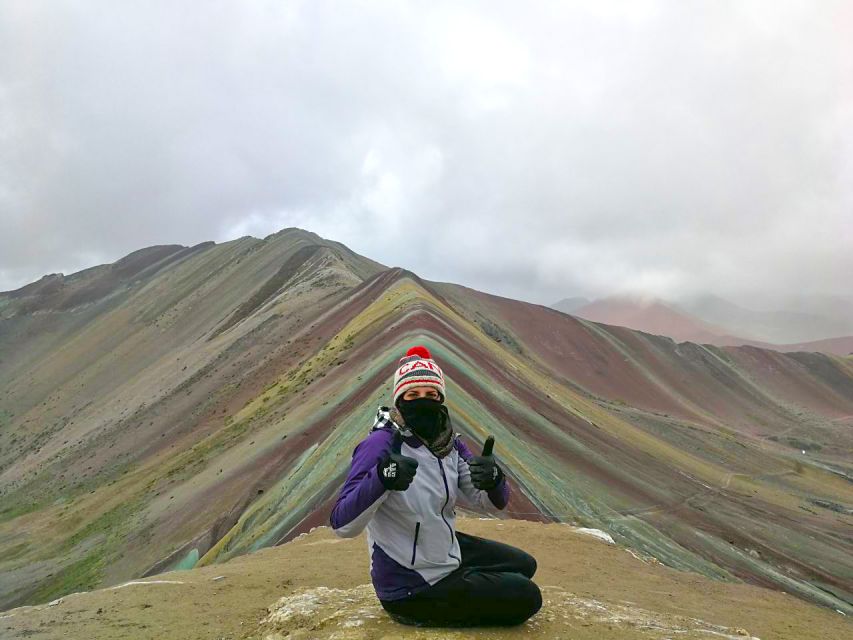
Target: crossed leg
(491, 555)
(491, 587)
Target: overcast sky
(534, 150)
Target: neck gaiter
(424, 416)
(428, 420)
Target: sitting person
(403, 483)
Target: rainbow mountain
(186, 405)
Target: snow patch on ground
(133, 583)
(316, 542)
(642, 557)
(595, 533)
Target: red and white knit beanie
(418, 369)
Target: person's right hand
(397, 471)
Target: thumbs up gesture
(396, 471)
(485, 473)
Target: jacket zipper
(415, 544)
(447, 493)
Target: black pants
(492, 587)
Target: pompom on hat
(418, 369)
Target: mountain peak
(295, 232)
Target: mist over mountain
(570, 305)
(713, 320)
(813, 318)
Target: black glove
(396, 471)
(485, 473)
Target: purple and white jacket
(411, 534)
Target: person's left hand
(485, 473)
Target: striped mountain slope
(207, 405)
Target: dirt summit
(317, 587)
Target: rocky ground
(318, 586)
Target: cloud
(536, 152)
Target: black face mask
(425, 416)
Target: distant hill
(666, 319)
(570, 305)
(189, 405)
(785, 327)
(651, 316)
(840, 346)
